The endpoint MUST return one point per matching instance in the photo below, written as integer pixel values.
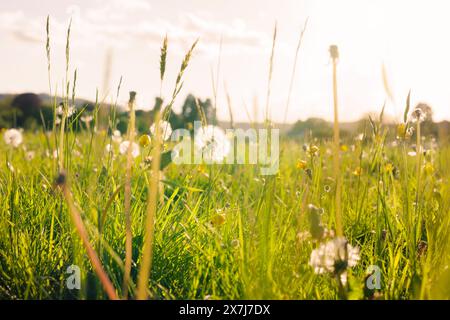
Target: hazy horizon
(408, 37)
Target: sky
(408, 37)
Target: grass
(223, 231)
(193, 258)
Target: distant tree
(190, 112)
(428, 126)
(28, 106)
(7, 114)
(319, 128)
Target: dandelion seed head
(334, 256)
(212, 142)
(13, 137)
(123, 148)
(165, 129)
(116, 136)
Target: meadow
(367, 217)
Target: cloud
(128, 23)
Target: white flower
(69, 112)
(123, 148)
(334, 256)
(212, 142)
(57, 120)
(165, 129)
(117, 136)
(418, 115)
(13, 137)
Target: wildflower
(389, 168)
(123, 148)
(218, 219)
(13, 137)
(344, 148)
(412, 153)
(213, 143)
(58, 121)
(301, 164)
(404, 132)
(334, 256)
(68, 113)
(116, 136)
(144, 140)
(165, 129)
(418, 115)
(357, 172)
(401, 131)
(409, 132)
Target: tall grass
(226, 232)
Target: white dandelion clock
(116, 136)
(165, 129)
(123, 148)
(418, 115)
(13, 137)
(70, 111)
(334, 256)
(212, 142)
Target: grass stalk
(152, 201)
(79, 225)
(127, 205)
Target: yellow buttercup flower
(344, 148)
(301, 164)
(218, 219)
(144, 140)
(357, 171)
(389, 168)
(401, 131)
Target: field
(365, 217)
(225, 231)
